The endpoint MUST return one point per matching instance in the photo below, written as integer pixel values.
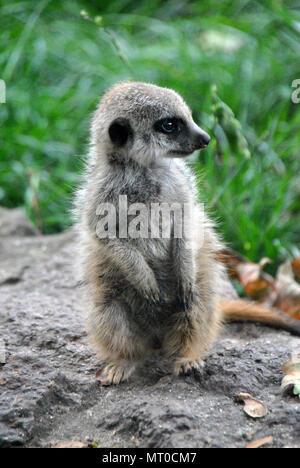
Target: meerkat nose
(202, 139)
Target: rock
(48, 390)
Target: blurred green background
(56, 65)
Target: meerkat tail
(245, 311)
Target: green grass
(56, 65)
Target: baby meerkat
(146, 290)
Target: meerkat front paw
(115, 373)
(185, 366)
(151, 292)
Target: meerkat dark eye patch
(169, 125)
(120, 131)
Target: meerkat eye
(168, 125)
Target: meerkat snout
(182, 135)
(201, 138)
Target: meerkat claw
(188, 366)
(113, 374)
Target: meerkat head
(145, 122)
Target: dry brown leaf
(296, 267)
(252, 407)
(248, 273)
(260, 442)
(231, 260)
(259, 290)
(69, 444)
(257, 284)
(282, 293)
(285, 281)
(265, 261)
(291, 381)
(288, 289)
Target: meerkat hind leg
(119, 348)
(189, 338)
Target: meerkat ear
(119, 131)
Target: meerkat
(144, 292)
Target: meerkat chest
(149, 206)
(157, 209)
(157, 185)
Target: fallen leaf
(288, 289)
(260, 442)
(291, 381)
(259, 289)
(69, 444)
(257, 284)
(296, 267)
(285, 281)
(282, 292)
(252, 407)
(231, 260)
(264, 261)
